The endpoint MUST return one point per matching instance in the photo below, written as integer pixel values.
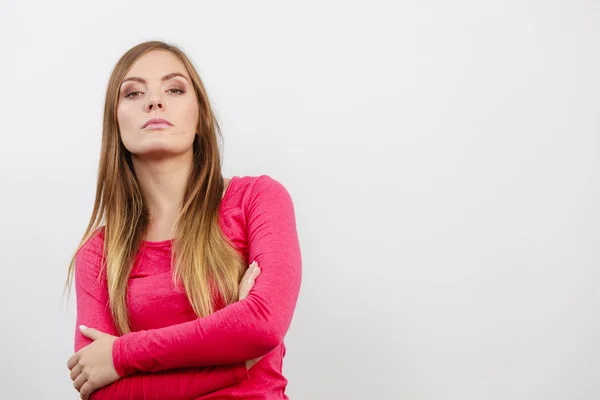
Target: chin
(161, 149)
(159, 146)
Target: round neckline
(159, 243)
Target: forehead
(156, 64)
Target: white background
(443, 157)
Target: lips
(157, 123)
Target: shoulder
(263, 188)
(89, 257)
(266, 198)
(94, 243)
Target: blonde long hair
(201, 254)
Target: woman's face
(157, 86)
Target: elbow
(265, 330)
(265, 340)
(273, 339)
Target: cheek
(125, 117)
(189, 111)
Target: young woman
(168, 306)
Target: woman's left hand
(92, 367)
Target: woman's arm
(243, 330)
(93, 311)
(173, 384)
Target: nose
(155, 103)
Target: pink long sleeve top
(172, 354)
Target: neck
(163, 182)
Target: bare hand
(92, 367)
(246, 285)
(248, 280)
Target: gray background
(442, 156)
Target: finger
(244, 288)
(249, 271)
(248, 284)
(79, 382)
(76, 371)
(73, 361)
(90, 332)
(252, 277)
(244, 278)
(86, 390)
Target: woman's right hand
(246, 285)
(247, 282)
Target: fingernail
(82, 327)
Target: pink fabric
(172, 354)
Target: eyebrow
(164, 78)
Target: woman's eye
(132, 93)
(136, 93)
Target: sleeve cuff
(119, 360)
